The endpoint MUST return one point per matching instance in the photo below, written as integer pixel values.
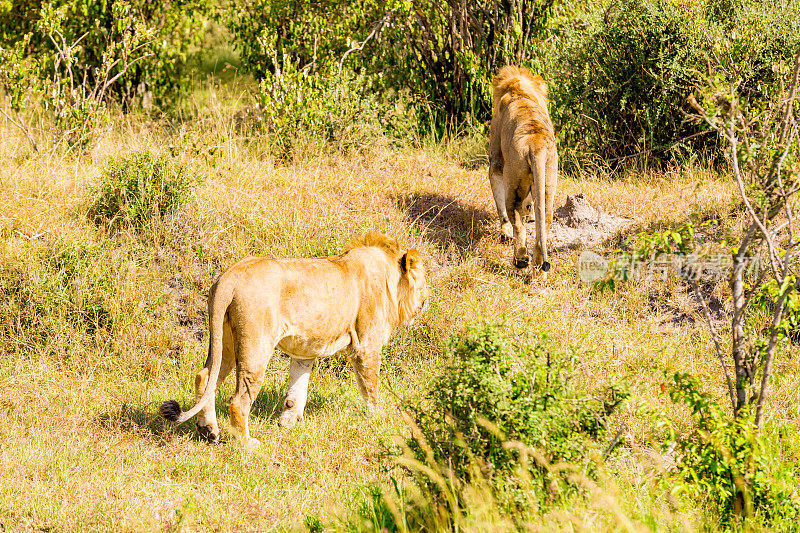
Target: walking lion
(523, 162)
(308, 308)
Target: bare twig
(715, 338)
(613, 443)
(754, 217)
(769, 175)
(776, 167)
(23, 127)
(108, 83)
(360, 46)
(770, 354)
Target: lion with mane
(307, 308)
(523, 161)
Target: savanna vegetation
(145, 146)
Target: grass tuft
(139, 189)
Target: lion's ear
(542, 84)
(410, 261)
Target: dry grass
(82, 446)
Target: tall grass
(98, 327)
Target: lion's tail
(221, 297)
(537, 159)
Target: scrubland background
(147, 146)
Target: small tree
(65, 60)
(762, 145)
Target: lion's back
(520, 116)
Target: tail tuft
(171, 410)
(545, 268)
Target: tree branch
(358, 47)
(714, 337)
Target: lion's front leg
(299, 374)
(367, 366)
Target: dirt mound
(579, 223)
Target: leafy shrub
(73, 292)
(726, 460)
(308, 98)
(271, 33)
(139, 189)
(622, 75)
(426, 48)
(68, 58)
(496, 393)
(162, 33)
(621, 85)
(447, 52)
(501, 434)
(756, 41)
(328, 110)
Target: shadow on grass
(149, 423)
(443, 220)
(269, 404)
(146, 423)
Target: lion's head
(512, 81)
(412, 289)
(412, 293)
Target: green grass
(83, 448)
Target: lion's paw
(251, 444)
(506, 232)
(208, 433)
(289, 419)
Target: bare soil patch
(578, 223)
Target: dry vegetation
(83, 448)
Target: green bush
(72, 295)
(447, 52)
(272, 33)
(63, 61)
(622, 75)
(496, 392)
(161, 33)
(728, 462)
(139, 189)
(754, 41)
(425, 48)
(500, 436)
(329, 110)
(620, 84)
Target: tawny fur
(523, 161)
(308, 308)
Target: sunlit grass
(83, 448)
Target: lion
(307, 308)
(523, 161)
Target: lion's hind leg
(551, 185)
(538, 162)
(207, 425)
(299, 374)
(515, 204)
(521, 260)
(499, 192)
(253, 355)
